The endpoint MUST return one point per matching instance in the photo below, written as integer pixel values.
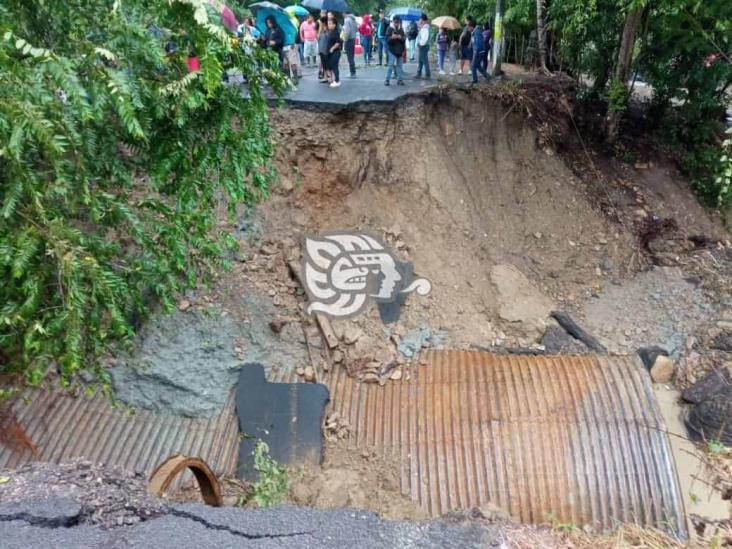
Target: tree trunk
(619, 86)
(541, 34)
(498, 39)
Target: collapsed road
(428, 410)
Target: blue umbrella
(339, 6)
(297, 11)
(406, 14)
(262, 10)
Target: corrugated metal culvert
(579, 438)
(63, 427)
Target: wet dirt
(503, 226)
(354, 477)
(697, 489)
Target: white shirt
(423, 38)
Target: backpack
(412, 31)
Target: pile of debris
(108, 496)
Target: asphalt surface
(368, 86)
(51, 524)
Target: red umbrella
(228, 18)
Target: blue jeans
(478, 65)
(441, 59)
(395, 66)
(382, 49)
(411, 44)
(424, 61)
(366, 45)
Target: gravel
(105, 496)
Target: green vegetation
(716, 448)
(273, 484)
(682, 48)
(112, 159)
(559, 526)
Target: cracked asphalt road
(55, 523)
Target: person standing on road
(309, 37)
(454, 55)
(466, 54)
(478, 46)
(350, 31)
(381, 28)
(274, 38)
(366, 32)
(412, 32)
(442, 42)
(334, 46)
(323, 48)
(488, 41)
(396, 44)
(423, 47)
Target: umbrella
(446, 22)
(262, 10)
(406, 14)
(339, 6)
(297, 11)
(228, 18)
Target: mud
(353, 477)
(503, 225)
(697, 488)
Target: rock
(337, 356)
(370, 377)
(277, 324)
(268, 249)
(519, 300)
(309, 374)
(184, 305)
(538, 235)
(396, 375)
(723, 342)
(557, 341)
(662, 370)
(714, 383)
(709, 419)
(300, 371)
(277, 301)
(351, 335)
(649, 354)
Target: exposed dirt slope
(467, 186)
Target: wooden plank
(323, 323)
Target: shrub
(112, 159)
(273, 484)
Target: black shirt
(395, 41)
(274, 34)
(334, 37)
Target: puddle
(699, 497)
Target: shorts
(311, 49)
(466, 53)
(292, 56)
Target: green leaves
(111, 158)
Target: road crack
(233, 531)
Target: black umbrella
(340, 6)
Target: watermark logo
(344, 270)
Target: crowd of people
(321, 41)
